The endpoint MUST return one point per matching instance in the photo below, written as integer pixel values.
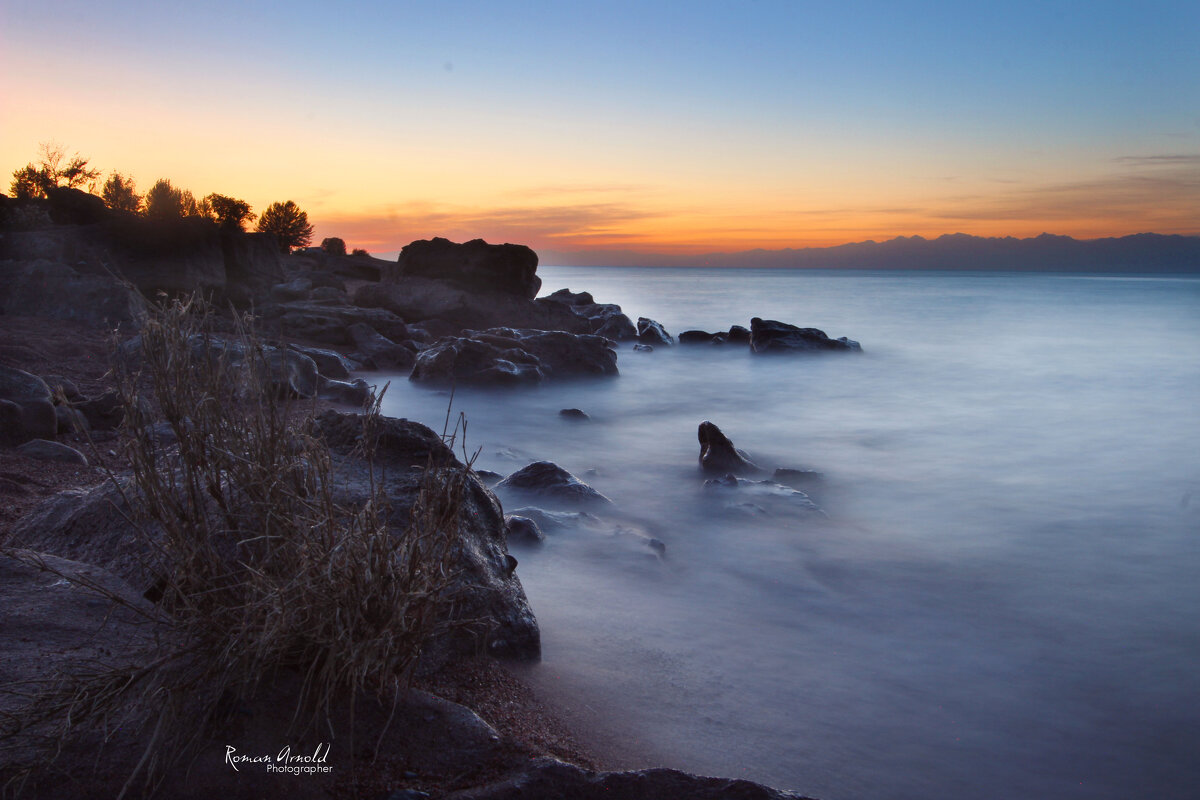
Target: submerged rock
(549, 479)
(522, 530)
(730, 482)
(772, 336)
(574, 413)
(717, 453)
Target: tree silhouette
(228, 211)
(288, 223)
(119, 194)
(334, 246)
(35, 180)
(164, 201)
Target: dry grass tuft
(257, 570)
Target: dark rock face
(509, 356)
(604, 319)
(652, 333)
(253, 264)
(699, 337)
(549, 479)
(452, 308)
(329, 363)
(772, 336)
(51, 289)
(738, 335)
(717, 453)
(574, 413)
(475, 265)
(547, 779)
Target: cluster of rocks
(771, 336)
(35, 411)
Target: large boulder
(604, 319)
(474, 265)
(378, 351)
(514, 356)
(550, 480)
(718, 455)
(768, 336)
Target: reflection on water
(1001, 598)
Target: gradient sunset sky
(655, 127)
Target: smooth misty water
(1003, 599)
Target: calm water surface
(1001, 596)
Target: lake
(998, 596)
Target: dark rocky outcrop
(717, 453)
(604, 319)
(330, 324)
(52, 289)
(377, 351)
(772, 336)
(738, 335)
(652, 333)
(474, 265)
(548, 779)
(330, 363)
(701, 337)
(426, 300)
(550, 480)
(508, 356)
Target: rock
(508, 356)
(352, 393)
(295, 289)
(327, 295)
(548, 479)
(330, 324)
(699, 337)
(487, 477)
(292, 374)
(738, 335)
(103, 413)
(45, 450)
(772, 336)
(48, 289)
(605, 319)
(485, 587)
(34, 417)
(652, 333)
(70, 420)
(643, 348)
(379, 351)
(523, 531)
(329, 363)
(69, 206)
(475, 265)
(62, 386)
(454, 308)
(573, 413)
(253, 265)
(717, 453)
(618, 327)
(557, 520)
(549, 779)
(12, 429)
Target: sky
(653, 127)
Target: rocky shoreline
(79, 281)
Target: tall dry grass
(257, 570)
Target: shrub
(228, 212)
(358, 252)
(119, 194)
(334, 246)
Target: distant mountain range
(1142, 252)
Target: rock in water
(768, 335)
(514, 356)
(653, 333)
(717, 453)
(548, 478)
(476, 265)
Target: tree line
(163, 201)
